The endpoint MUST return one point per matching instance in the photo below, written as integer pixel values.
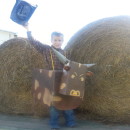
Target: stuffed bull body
(62, 88)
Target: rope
(52, 61)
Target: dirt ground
(11, 122)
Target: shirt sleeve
(36, 44)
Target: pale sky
(66, 16)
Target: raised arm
(38, 45)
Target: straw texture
(105, 42)
(17, 60)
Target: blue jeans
(54, 117)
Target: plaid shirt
(47, 52)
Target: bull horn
(89, 65)
(61, 57)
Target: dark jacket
(47, 52)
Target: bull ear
(61, 57)
(89, 65)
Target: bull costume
(53, 67)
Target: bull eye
(72, 76)
(82, 79)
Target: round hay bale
(105, 42)
(17, 60)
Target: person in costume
(53, 63)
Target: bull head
(64, 89)
(73, 80)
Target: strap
(52, 61)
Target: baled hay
(105, 42)
(17, 60)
